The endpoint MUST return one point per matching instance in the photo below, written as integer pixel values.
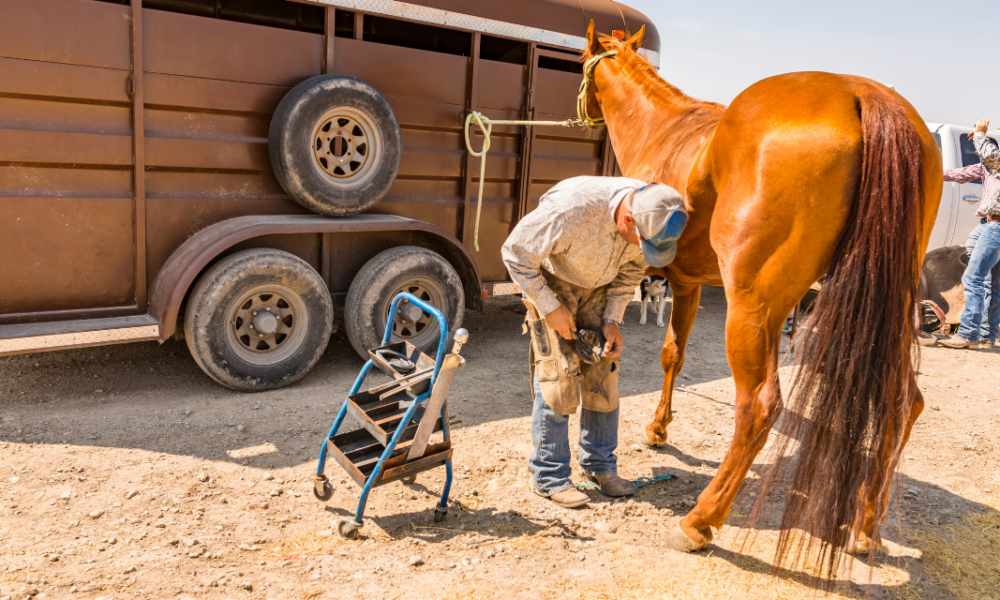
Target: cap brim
(658, 257)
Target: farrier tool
(408, 409)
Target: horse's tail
(851, 397)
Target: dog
(653, 289)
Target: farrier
(578, 258)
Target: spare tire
(335, 145)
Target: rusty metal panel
(502, 85)
(428, 114)
(177, 219)
(404, 72)
(43, 182)
(61, 148)
(206, 154)
(30, 114)
(33, 78)
(73, 32)
(438, 211)
(177, 44)
(211, 95)
(556, 92)
(66, 253)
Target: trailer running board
(62, 335)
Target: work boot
(613, 485)
(956, 342)
(570, 498)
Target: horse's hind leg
(875, 503)
(753, 333)
(682, 315)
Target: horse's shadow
(914, 504)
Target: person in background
(984, 249)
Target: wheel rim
(424, 329)
(346, 146)
(266, 324)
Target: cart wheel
(410, 479)
(440, 514)
(323, 492)
(348, 529)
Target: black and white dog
(653, 289)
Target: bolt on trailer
(231, 171)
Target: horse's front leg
(682, 315)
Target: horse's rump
(851, 397)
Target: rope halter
(581, 100)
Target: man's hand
(613, 340)
(982, 126)
(561, 320)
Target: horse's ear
(636, 40)
(594, 46)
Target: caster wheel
(409, 479)
(439, 515)
(348, 529)
(323, 492)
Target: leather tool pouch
(558, 372)
(600, 386)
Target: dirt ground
(125, 472)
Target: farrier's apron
(565, 380)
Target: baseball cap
(660, 217)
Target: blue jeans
(550, 456)
(970, 247)
(984, 265)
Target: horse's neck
(656, 130)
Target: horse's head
(602, 52)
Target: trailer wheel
(423, 273)
(335, 145)
(258, 320)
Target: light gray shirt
(573, 235)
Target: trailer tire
(420, 271)
(258, 320)
(335, 145)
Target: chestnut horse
(803, 175)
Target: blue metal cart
(410, 408)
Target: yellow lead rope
(487, 124)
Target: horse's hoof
(861, 545)
(681, 542)
(654, 439)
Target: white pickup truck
(959, 201)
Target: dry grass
(304, 543)
(964, 558)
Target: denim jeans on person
(550, 456)
(970, 247)
(984, 266)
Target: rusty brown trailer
(134, 144)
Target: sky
(941, 56)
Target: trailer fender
(179, 273)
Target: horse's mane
(638, 67)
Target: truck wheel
(258, 320)
(423, 273)
(335, 145)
